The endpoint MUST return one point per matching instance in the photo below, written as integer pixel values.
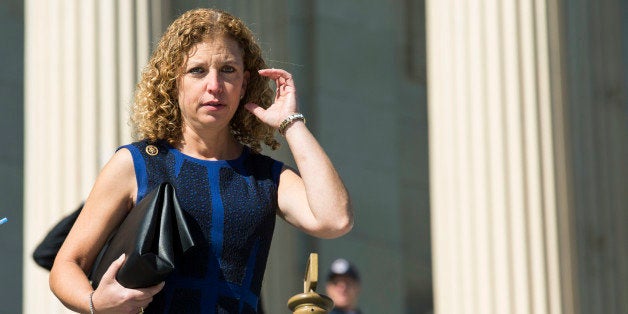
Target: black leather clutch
(151, 236)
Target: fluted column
(500, 214)
(82, 62)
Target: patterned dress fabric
(231, 206)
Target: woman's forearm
(327, 196)
(70, 284)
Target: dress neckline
(245, 152)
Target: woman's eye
(196, 70)
(228, 69)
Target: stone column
(502, 238)
(82, 62)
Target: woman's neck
(211, 147)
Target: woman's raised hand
(285, 99)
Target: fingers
(148, 293)
(283, 80)
(285, 98)
(254, 109)
(141, 298)
(110, 296)
(276, 74)
(113, 269)
(145, 296)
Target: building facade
(499, 187)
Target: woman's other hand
(111, 297)
(285, 99)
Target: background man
(343, 287)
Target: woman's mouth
(213, 106)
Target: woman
(201, 110)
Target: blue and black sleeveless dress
(231, 207)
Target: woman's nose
(213, 82)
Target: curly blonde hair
(156, 114)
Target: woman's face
(212, 84)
